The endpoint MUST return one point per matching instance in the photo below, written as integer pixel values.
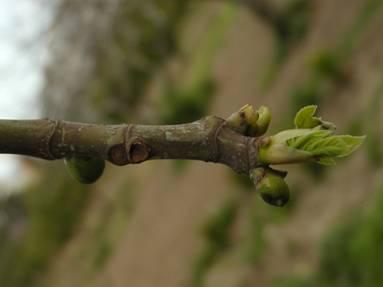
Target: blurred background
(182, 223)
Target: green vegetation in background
(308, 93)
(243, 181)
(374, 146)
(12, 213)
(260, 216)
(254, 243)
(352, 254)
(326, 67)
(292, 281)
(96, 242)
(112, 222)
(374, 129)
(49, 213)
(189, 99)
(368, 120)
(183, 106)
(216, 234)
(139, 44)
(350, 39)
(325, 70)
(326, 64)
(218, 242)
(53, 207)
(289, 28)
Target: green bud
(271, 186)
(249, 122)
(244, 121)
(85, 169)
(264, 119)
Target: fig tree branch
(238, 142)
(209, 139)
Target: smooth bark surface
(209, 139)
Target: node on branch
(238, 142)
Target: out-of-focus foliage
(182, 106)
(292, 281)
(374, 140)
(188, 99)
(352, 253)
(216, 234)
(327, 67)
(289, 26)
(51, 211)
(142, 36)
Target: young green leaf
(308, 145)
(335, 146)
(325, 147)
(301, 141)
(351, 143)
(290, 135)
(305, 119)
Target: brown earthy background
(169, 224)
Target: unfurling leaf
(305, 119)
(301, 141)
(312, 140)
(333, 146)
(324, 147)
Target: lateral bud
(86, 170)
(271, 185)
(249, 122)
